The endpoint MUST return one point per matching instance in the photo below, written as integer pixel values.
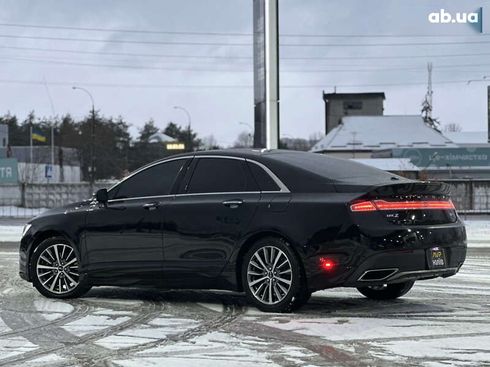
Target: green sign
(445, 157)
(8, 171)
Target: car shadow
(320, 305)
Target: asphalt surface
(440, 322)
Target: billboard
(8, 171)
(437, 158)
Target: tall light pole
(92, 138)
(189, 122)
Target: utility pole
(189, 121)
(266, 73)
(488, 110)
(427, 103)
(92, 137)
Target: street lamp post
(189, 121)
(92, 138)
(251, 131)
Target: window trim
(282, 187)
(148, 166)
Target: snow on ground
(19, 212)
(439, 323)
(10, 233)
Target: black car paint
(195, 241)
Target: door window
(156, 180)
(221, 175)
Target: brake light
(365, 206)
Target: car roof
(305, 171)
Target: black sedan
(277, 225)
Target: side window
(221, 175)
(265, 181)
(153, 181)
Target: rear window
(333, 169)
(263, 179)
(221, 175)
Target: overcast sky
(131, 74)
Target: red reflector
(369, 206)
(326, 263)
(363, 206)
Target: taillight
(363, 206)
(369, 206)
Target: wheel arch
(253, 239)
(38, 239)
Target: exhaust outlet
(377, 274)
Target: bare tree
(244, 140)
(452, 127)
(209, 142)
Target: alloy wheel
(269, 275)
(57, 269)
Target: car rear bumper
(388, 258)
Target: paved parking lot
(439, 323)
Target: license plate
(436, 257)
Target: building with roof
(467, 138)
(400, 166)
(360, 136)
(339, 105)
(161, 138)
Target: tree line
(116, 153)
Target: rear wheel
(386, 291)
(272, 278)
(55, 270)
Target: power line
(384, 57)
(214, 86)
(137, 42)
(233, 57)
(233, 44)
(145, 67)
(85, 52)
(384, 44)
(119, 30)
(223, 34)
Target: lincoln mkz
(276, 225)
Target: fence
(28, 200)
(471, 195)
(25, 201)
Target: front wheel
(55, 269)
(271, 276)
(386, 291)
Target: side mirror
(102, 196)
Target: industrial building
(407, 146)
(339, 105)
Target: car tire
(272, 277)
(55, 269)
(301, 299)
(387, 291)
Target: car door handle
(151, 206)
(232, 203)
